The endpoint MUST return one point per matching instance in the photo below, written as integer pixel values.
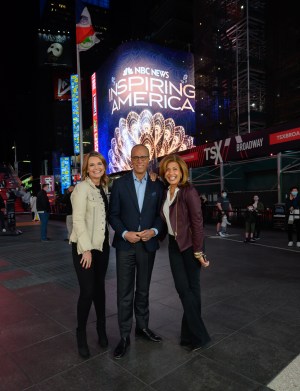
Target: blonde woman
(90, 246)
(181, 210)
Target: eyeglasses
(141, 158)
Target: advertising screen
(145, 94)
(75, 113)
(55, 49)
(65, 172)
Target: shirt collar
(145, 177)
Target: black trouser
(186, 273)
(290, 229)
(257, 229)
(92, 284)
(2, 220)
(134, 270)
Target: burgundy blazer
(186, 218)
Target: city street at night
(250, 304)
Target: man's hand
(132, 236)
(146, 234)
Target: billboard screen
(65, 172)
(55, 49)
(145, 94)
(75, 113)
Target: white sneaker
(290, 244)
(3, 230)
(222, 235)
(298, 244)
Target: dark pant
(44, 217)
(186, 273)
(91, 284)
(257, 228)
(2, 220)
(134, 270)
(290, 228)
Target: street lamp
(16, 161)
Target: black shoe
(198, 346)
(120, 350)
(184, 342)
(101, 330)
(147, 334)
(82, 345)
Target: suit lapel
(147, 192)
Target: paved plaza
(250, 304)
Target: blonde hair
(104, 179)
(182, 165)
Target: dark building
(246, 55)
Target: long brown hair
(104, 179)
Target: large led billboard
(145, 94)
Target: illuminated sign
(55, 49)
(285, 136)
(75, 113)
(145, 94)
(65, 173)
(49, 180)
(95, 113)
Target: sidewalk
(250, 300)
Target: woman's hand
(86, 259)
(201, 257)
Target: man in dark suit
(134, 215)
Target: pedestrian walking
(259, 208)
(2, 218)
(292, 207)
(250, 219)
(223, 205)
(43, 208)
(34, 213)
(224, 224)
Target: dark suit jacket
(124, 213)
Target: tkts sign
(247, 146)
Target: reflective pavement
(250, 304)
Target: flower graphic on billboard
(161, 136)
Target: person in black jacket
(292, 207)
(134, 215)
(2, 220)
(43, 209)
(250, 219)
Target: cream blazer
(89, 218)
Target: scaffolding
(230, 53)
(247, 39)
